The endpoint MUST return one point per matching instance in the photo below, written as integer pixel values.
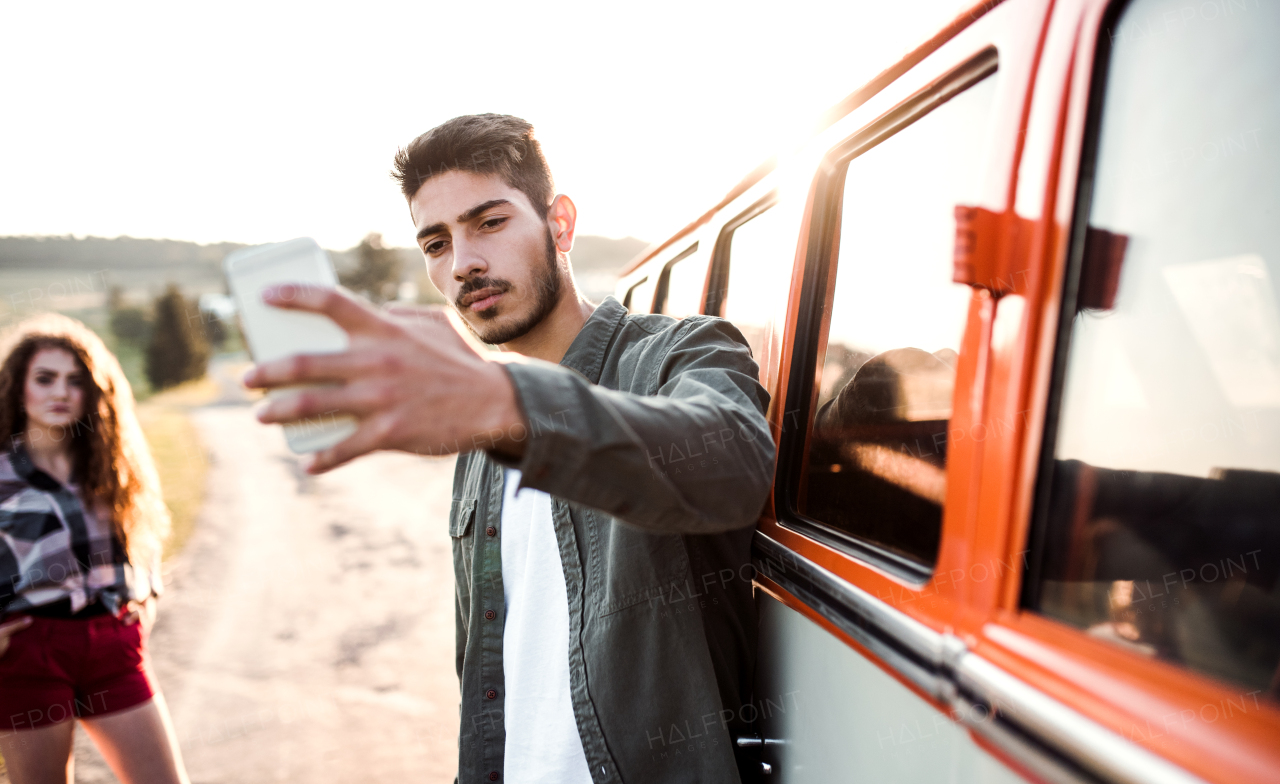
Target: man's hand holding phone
(409, 377)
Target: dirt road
(307, 635)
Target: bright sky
(258, 122)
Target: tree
(178, 350)
(129, 324)
(377, 272)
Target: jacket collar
(587, 352)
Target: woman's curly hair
(111, 460)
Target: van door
(861, 566)
(1140, 373)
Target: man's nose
(468, 262)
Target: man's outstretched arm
(696, 458)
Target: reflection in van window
(1162, 516)
(761, 254)
(876, 456)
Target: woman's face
(54, 391)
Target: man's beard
(546, 287)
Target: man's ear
(562, 219)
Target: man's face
(488, 251)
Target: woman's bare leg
(139, 744)
(40, 756)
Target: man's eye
(493, 223)
(434, 248)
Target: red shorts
(56, 670)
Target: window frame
(815, 302)
(662, 290)
(717, 290)
(626, 298)
(1082, 202)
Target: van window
(876, 454)
(1158, 511)
(683, 279)
(755, 267)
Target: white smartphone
(273, 333)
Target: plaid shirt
(54, 547)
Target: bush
(179, 350)
(132, 325)
(377, 272)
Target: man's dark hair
(483, 144)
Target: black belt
(61, 609)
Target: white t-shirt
(543, 745)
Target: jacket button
(491, 694)
(493, 776)
(491, 531)
(489, 615)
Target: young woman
(81, 527)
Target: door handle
(749, 741)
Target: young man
(610, 474)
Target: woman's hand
(11, 628)
(144, 612)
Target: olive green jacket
(651, 439)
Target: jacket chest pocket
(631, 566)
(462, 516)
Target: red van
(1016, 306)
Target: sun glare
(258, 123)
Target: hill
(143, 266)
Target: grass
(180, 458)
